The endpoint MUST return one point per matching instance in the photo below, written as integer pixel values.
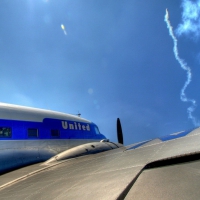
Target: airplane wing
(156, 169)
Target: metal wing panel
(171, 182)
(102, 176)
(63, 181)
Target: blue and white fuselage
(29, 135)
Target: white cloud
(190, 19)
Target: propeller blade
(119, 132)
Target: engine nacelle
(85, 149)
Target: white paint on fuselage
(22, 113)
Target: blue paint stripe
(20, 130)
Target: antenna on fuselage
(79, 114)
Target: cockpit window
(96, 130)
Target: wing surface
(135, 172)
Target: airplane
(30, 135)
(52, 155)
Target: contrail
(184, 66)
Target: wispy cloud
(190, 19)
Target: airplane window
(32, 132)
(5, 132)
(96, 130)
(55, 133)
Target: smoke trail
(184, 66)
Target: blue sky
(114, 59)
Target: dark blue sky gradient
(115, 61)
